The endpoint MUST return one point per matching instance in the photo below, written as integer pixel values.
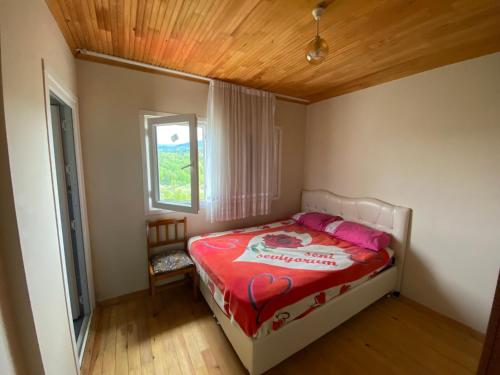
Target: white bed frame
(259, 355)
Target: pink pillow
(359, 234)
(315, 220)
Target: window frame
(153, 124)
(147, 167)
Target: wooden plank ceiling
(261, 43)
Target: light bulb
(317, 50)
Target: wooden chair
(166, 261)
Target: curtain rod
(167, 70)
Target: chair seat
(168, 261)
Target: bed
(270, 304)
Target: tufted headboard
(368, 211)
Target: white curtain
(239, 151)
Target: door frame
(72, 267)
(51, 85)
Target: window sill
(157, 211)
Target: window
(167, 150)
(173, 154)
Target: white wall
(29, 33)
(430, 142)
(16, 339)
(11, 351)
(110, 101)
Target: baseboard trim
(476, 334)
(123, 298)
(418, 306)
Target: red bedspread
(259, 271)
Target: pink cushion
(315, 220)
(359, 234)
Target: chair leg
(153, 299)
(196, 282)
(150, 286)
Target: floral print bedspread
(267, 276)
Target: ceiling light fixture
(317, 49)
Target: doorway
(70, 213)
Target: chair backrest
(160, 233)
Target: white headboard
(368, 211)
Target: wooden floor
(394, 336)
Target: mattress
(265, 277)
